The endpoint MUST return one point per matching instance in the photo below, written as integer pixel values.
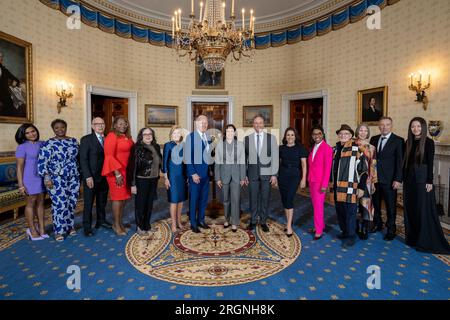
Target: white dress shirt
(261, 139)
(316, 147)
(204, 138)
(383, 141)
(100, 138)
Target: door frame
(208, 99)
(113, 93)
(286, 104)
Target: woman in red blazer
(319, 168)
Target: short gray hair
(359, 127)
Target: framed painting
(161, 116)
(249, 112)
(208, 80)
(16, 83)
(372, 105)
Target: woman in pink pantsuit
(319, 168)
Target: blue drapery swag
(340, 18)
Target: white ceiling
(265, 10)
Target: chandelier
(212, 38)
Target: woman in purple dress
(31, 184)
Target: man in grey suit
(230, 175)
(261, 155)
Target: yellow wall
(414, 36)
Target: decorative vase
(435, 129)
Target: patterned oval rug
(214, 257)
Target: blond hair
(172, 131)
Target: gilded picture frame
(372, 105)
(208, 80)
(16, 80)
(249, 112)
(161, 116)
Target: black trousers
(389, 195)
(100, 194)
(259, 191)
(146, 191)
(346, 213)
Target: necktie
(205, 141)
(101, 140)
(257, 144)
(381, 144)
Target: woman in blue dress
(58, 165)
(175, 176)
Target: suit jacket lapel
(388, 142)
(97, 142)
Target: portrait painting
(208, 80)
(161, 116)
(15, 80)
(372, 105)
(249, 112)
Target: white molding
(114, 93)
(212, 99)
(286, 98)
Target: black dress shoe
(106, 225)
(234, 230)
(203, 226)
(264, 227)
(342, 236)
(389, 236)
(250, 227)
(88, 233)
(195, 230)
(289, 234)
(348, 243)
(376, 229)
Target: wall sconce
(64, 92)
(417, 86)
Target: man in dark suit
(390, 149)
(95, 185)
(371, 113)
(6, 79)
(261, 156)
(197, 156)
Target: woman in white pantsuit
(230, 175)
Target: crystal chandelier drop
(212, 38)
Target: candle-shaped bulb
(243, 19)
(173, 27)
(201, 11)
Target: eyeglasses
(98, 124)
(344, 134)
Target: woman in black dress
(422, 227)
(292, 156)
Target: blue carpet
(37, 270)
